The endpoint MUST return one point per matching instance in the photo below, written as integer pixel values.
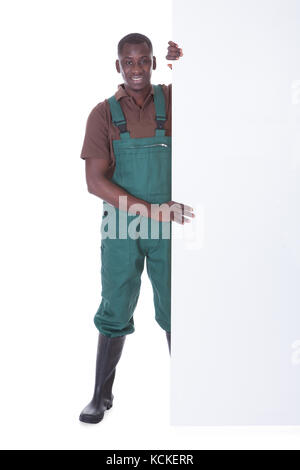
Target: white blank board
(236, 160)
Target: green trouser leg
(122, 267)
(158, 263)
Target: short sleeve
(96, 140)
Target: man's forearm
(111, 192)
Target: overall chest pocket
(143, 169)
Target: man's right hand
(176, 211)
(99, 184)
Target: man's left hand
(174, 52)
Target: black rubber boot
(168, 335)
(108, 355)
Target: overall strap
(117, 115)
(160, 106)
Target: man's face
(135, 64)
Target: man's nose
(136, 69)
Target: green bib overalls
(143, 169)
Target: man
(127, 152)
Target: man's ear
(118, 66)
(154, 63)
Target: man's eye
(128, 62)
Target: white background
(57, 64)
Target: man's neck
(140, 95)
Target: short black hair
(134, 38)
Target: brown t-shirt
(100, 131)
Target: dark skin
(135, 63)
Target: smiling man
(127, 152)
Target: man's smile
(138, 78)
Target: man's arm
(100, 185)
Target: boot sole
(93, 419)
